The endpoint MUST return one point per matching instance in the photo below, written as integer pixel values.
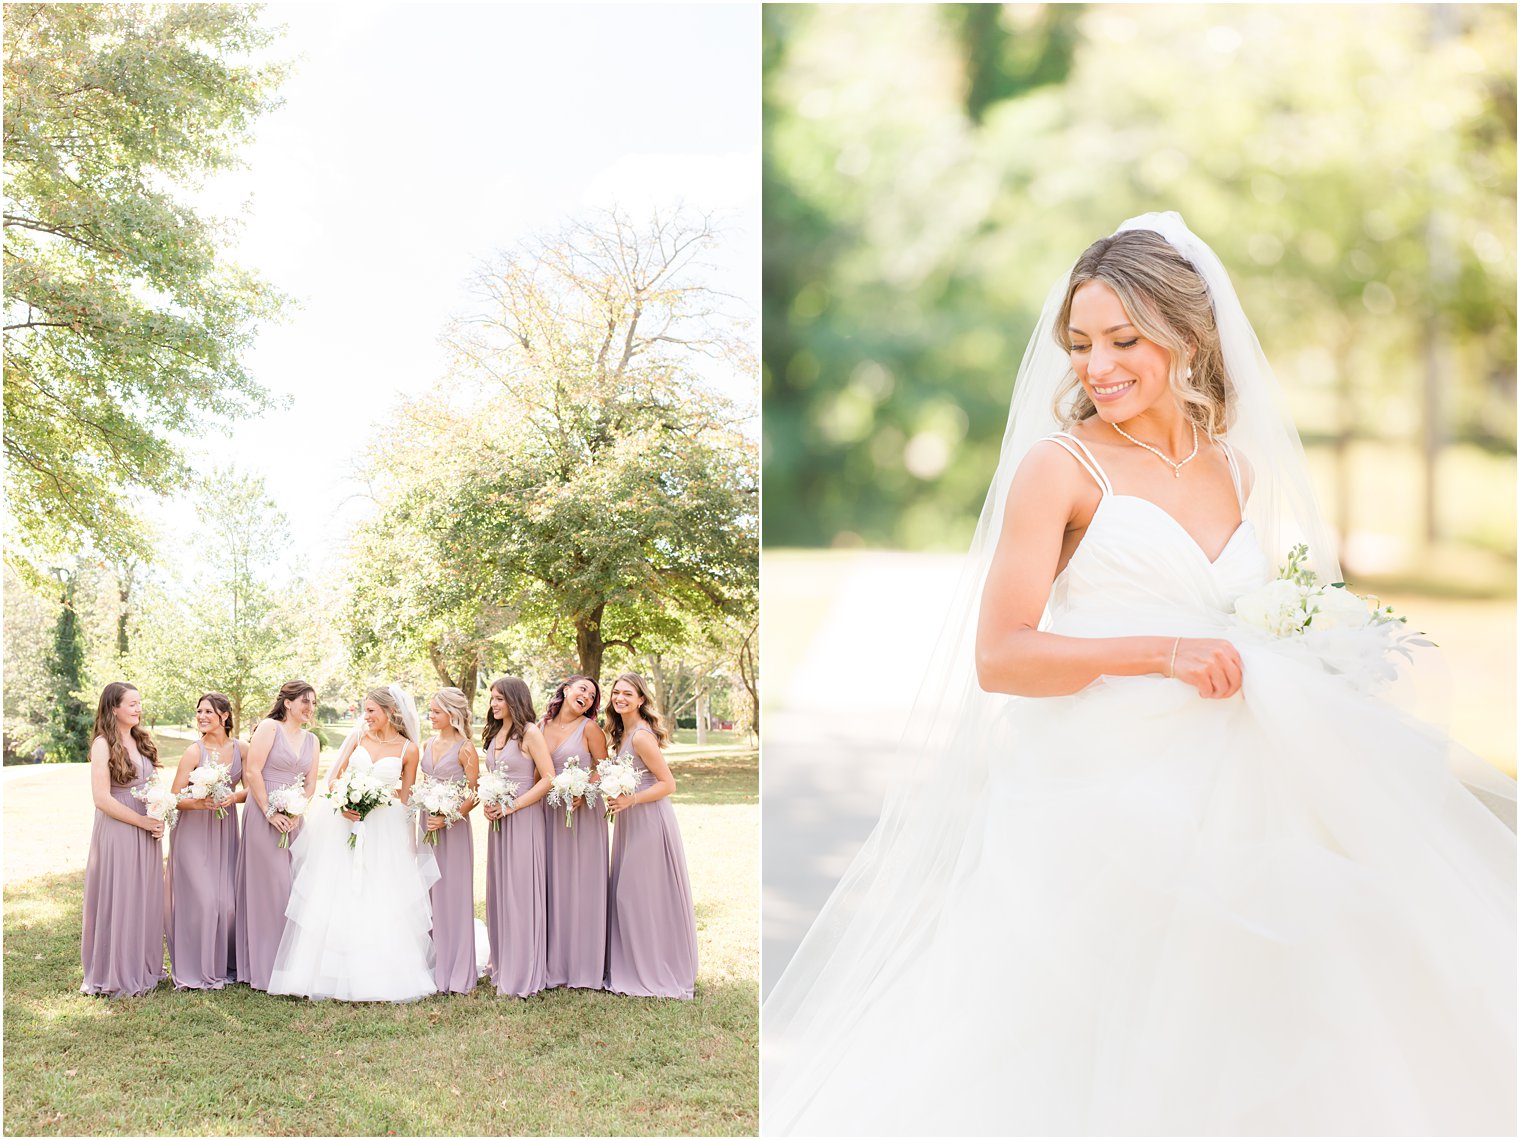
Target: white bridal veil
(885, 909)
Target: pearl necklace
(1156, 451)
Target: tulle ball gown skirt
(1275, 914)
(358, 927)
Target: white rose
(1338, 608)
(1278, 608)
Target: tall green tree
(69, 719)
(582, 476)
(125, 321)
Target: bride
(1155, 871)
(359, 920)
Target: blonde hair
(1169, 303)
(453, 702)
(392, 707)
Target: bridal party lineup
(358, 885)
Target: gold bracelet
(1171, 669)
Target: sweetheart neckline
(1166, 514)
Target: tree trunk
(589, 646)
(749, 675)
(124, 575)
(661, 691)
(469, 675)
(440, 666)
(702, 710)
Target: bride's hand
(351, 816)
(1208, 664)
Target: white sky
(416, 139)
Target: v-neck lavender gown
(651, 928)
(263, 868)
(516, 890)
(577, 882)
(453, 895)
(122, 947)
(203, 858)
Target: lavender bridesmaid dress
(576, 865)
(651, 929)
(453, 895)
(122, 947)
(263, 869)
(203, 861)
(516, 892)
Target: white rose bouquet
(616, 778)
(573, 783)
(1350, 635)
(211, 780)
(289, 801)
(432, 796)
(361, 792)
(495, 790)
(162, 804)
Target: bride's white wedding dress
(358, 924)
(1272, 914)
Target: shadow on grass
(732, 778)
(231, 1062)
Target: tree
(69, 719)
(578, 475)
(124, 321)
(222, 627)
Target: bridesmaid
(122, 947)
(279, 754)
(203, 857)
(451, 756)
(651, 930)
(515, 855)
(576, 856)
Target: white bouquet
(432, 796)
(211, 780)
(616, 778)
(361, 791)
(1350, 635)
(162, 804)
(573, 783)
(289, 801)
(495, 790)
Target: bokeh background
(930, 170)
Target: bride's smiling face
(374, 717)
(1122, 372)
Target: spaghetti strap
(1229, 454)
(1080, 453)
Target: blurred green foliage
(931, 170)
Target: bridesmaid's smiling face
(302, 708)
(625, 699)
(499, 708)
(207, 719)
(440, 719)
(1122, 372)
(580, 696)
(129, 712)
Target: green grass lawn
(565, 1062)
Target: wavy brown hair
(1169, 303)
(122, 770)
(519, 698)
(221, 704)
(557, 701)
(646, 710)
(289, 691)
